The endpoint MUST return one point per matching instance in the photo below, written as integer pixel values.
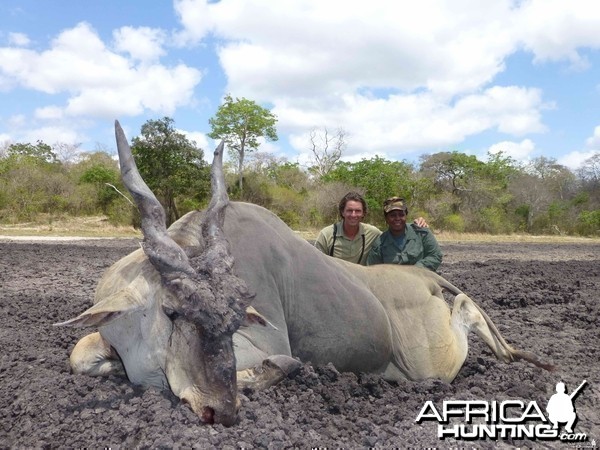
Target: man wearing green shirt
(349, 239)
(402, 243)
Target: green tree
(40, 152)
(589, 179)
(559, 179)
(98, 178)
(469, 191)
(379, 178)
(32, 181)
(172, 166)
(240, 124)
(451, 171)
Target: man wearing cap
(350, 239)
(402, 243)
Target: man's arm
(375, 256)
(321, 243)
(432, 253)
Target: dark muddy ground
(543, 297)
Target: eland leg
(272, 370)
(470, 315)
(94, 356)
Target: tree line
(454, 191)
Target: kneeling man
(402, 243)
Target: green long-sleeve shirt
(420, 248)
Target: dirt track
(542, 297)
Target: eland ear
(106, 310)
(254, 317)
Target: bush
(287, 204)
(322, 203)
(493, 221)
(453, 222)
(588, 223)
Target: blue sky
(402, 79)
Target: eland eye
(170, 313)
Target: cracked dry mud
(542, 297)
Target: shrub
(453, 222)
(493, 221)
(588, 223)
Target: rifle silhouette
(576, 391)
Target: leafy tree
(32, 182)
(451, 171)
(40, 152)
(472, 190)
(589, 174)
(590, 169)
(240, 124)
(171, 165)
(279, 171)
(290, 176)
(379, 178)
(100, 173)
(500, 168)
(558, 178)
(589, 222)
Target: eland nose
(226, 415)
(211, 409)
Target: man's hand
(420, 222)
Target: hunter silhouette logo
(560, 407)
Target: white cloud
(401, 125)
(399, 83)
(96, 81)
(555, 29)
(593, 142)
(48, 113)
(195, 19)
(144, 44)
(307, 48)
(519, 151)
(51, 135)
(423, 87)
(421, 79)
(199, 138)
(155, 88)
(574, 160)
(17, 121)
(100, 82)
(18, 39)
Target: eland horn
(218, 256)
(164, 253)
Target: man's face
(396, 221)
(353, 213)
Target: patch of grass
(99, 226)
(454, 237)
(92, 226)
